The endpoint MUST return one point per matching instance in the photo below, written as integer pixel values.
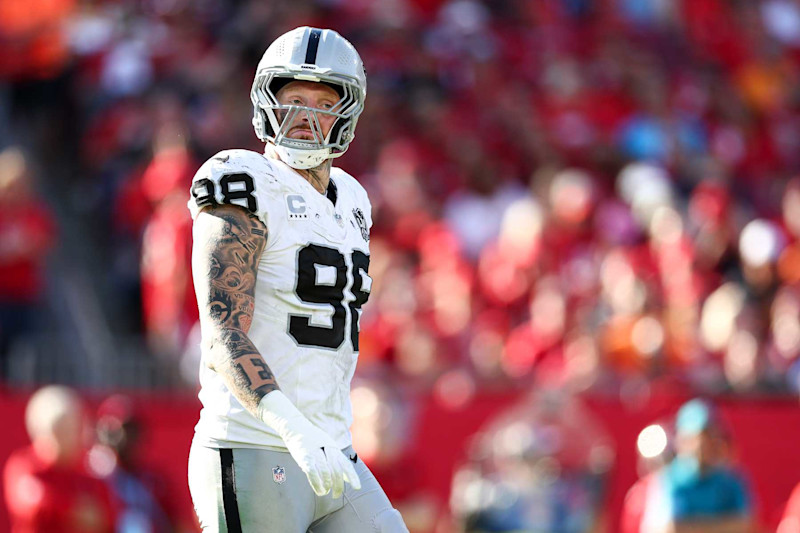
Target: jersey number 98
(310, 290)
(237, 189)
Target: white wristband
(277, 411)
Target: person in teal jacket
(701, 490)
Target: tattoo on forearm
(230, 266)
(248, 367)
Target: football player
(280, 263)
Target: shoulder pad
(344, 179)
(236, 177)
(355, 190)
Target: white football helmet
(308, 54)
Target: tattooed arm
(228, 243)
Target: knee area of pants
(389, 521)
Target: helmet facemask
(272, 120)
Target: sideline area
(765, 433)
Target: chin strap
(301, 159)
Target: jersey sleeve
(367, 207)
(235, 177)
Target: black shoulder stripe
(313, 45)
(332, 192)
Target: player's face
(308, 94)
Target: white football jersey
(312, 281)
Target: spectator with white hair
(46, 487)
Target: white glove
(326, 467)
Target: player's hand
(323, 462)
(318, 456)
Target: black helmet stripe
(313, 44)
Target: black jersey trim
(229, 492)
(313, 45)
(332, 192)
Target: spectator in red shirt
(26, 236)
(46, 487)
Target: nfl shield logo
(278, 475)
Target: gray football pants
(252, 491)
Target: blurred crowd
(690, 477)
(544, 463)
(541, 465)
(82, 471)
(548, 464)
(602, 193)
